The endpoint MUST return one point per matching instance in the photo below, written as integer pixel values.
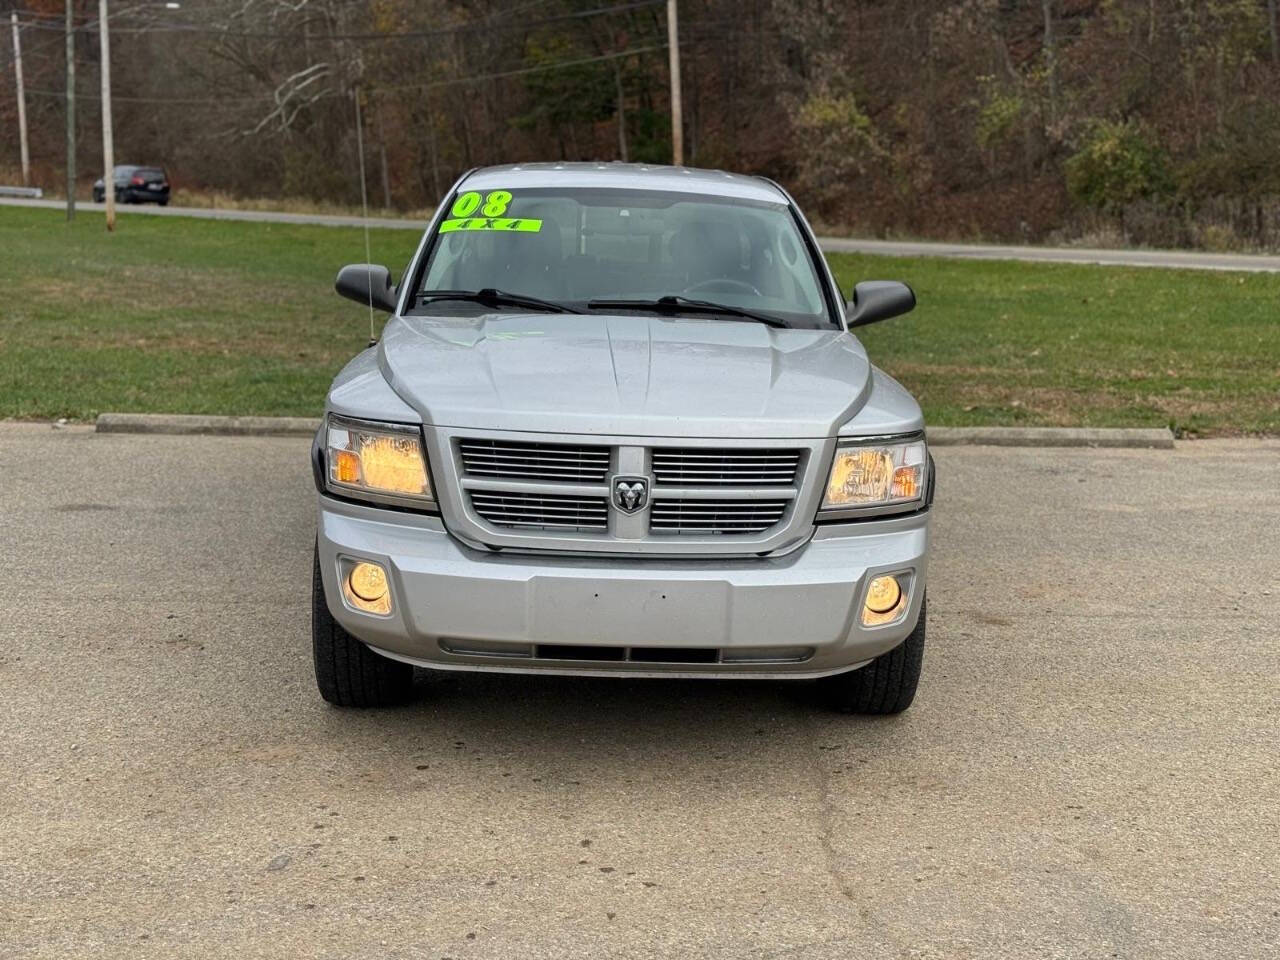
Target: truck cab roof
(631, 176)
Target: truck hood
(630, 375)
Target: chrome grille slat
(585, 514)
(522, 460)
(690, 455)
(573, 503)
(551, 459)
(715, 518)
(547, 449)
(508, 462)
(506, 472)
(538, 506)
(587, 469)
(537, 509)
(676, 466)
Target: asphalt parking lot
(1090, 769)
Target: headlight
(377, 461)
(868, 476)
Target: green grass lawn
(196, 316)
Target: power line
(39, 49)
(262, 97)
(197, 30)
(376, 91)
(520, 72)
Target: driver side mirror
(875, 300)
(367, 283)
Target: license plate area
(649, 614)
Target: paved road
(1169, 259)
(205, 213)
(1133, 258)
(1089, 772)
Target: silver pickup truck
(617, 424)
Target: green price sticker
(491, 207)
(495, 204)
(510, 224)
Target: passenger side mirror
(875, 300)
(367, 283)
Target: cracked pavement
(1090, 768)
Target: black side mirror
(367, 283)
(875, 300)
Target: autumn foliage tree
(1157, 120)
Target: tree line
(1143, 121)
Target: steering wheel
(725, 285)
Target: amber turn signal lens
(368, 582)
(883, 594)
(906, 483)
(347, 466)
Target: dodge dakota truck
(618, 423)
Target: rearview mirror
(367, 283)
(879, 300)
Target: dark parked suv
(136, 184)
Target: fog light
(886, 601)
(882, 595)
(365, 587)
(368, 581)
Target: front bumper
(457, 608)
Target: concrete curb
(178, 423)
(1160, 438)
(196, 424)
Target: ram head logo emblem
(630, 493)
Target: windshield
(574, 246)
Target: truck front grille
(541, 512)
(534, 461)
(715, 518)
(714, 496)
(689, 466)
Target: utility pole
(22, 102)
(108, 160)
(1275, 33)
(677, 117)
(1051, 61)
(382, 145)
(71, 117)
(622, 109)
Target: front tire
(885, 685)
(348, 673)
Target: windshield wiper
(491, 297)
(677, 304)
